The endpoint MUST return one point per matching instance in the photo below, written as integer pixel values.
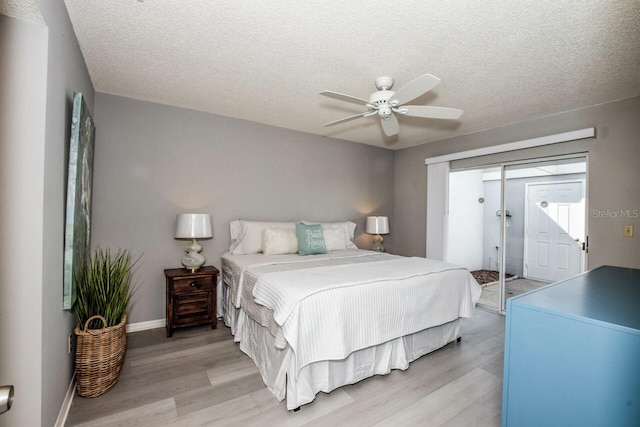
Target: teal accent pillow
(310, 239)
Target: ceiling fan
(385, 103)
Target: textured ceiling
(502, 62)
(27, 10)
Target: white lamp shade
(377, 225)
(193, 226)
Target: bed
(315, 323)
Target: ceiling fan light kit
(385, 102)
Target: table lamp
(193, 226)
(377, 225)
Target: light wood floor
(200, 378)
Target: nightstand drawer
(191, 304)
(192, 284)
(192, 308)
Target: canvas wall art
(77, 235)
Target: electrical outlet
(627, 231)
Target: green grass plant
(104, 286)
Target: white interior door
(555, 230)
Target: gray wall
(41, 66)
(66, 73)
(613, 177)
(154, 161)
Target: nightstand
(191, 297)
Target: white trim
(143, 326)
(502, 273)
(518, 145)
(66, 403)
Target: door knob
(583, 245)
(6, 398)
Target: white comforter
(326, 313)
(241, 272)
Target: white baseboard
(143, 326)
(66, 403)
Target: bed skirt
(277, 366)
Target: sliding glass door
(518, 226)
(545, 223)
(473, 229)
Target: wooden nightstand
(191, 297)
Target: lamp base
(377, 243)
(193, 260)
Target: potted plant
(104, 287)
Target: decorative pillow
(279, 241)
(349, 231)
(310, 239)
(335, 238)
(249, 240)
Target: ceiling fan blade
(343, 97)
(430, 112)
(414, 89)
(346, 119)
(390, 126)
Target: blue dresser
(572, 352)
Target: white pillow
(334, 238)
(236, 228)
(348, 228)
(279, 241)
(249, 240)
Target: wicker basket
(99, 356)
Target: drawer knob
(194, 284)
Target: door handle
(6, 398)
(582, 244)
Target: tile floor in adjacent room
(514, 287)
